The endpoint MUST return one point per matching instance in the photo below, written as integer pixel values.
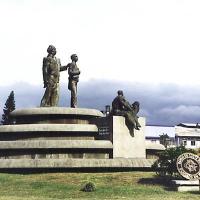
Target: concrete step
(75, 163)
(48, 128)
(52, 115)
(46, 111)
(56, 144)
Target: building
(153, 133)
(152, 139)
(188, 135)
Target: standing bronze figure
(51, 74)
(74, 73)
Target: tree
(164, 140)
(8, 108)
(166, 164)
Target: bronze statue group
(51, 75)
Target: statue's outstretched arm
(64, 68)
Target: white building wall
(187, 136)
(192, 143)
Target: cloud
(122, 40)
(161, 104)
(181, 113)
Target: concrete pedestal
(53, 133)
(186, 185)
(125, 145)
(66, 138)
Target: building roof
(188, 130)
(154, 146)
(189, 125)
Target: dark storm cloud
(161, 104)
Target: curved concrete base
(53, 133)
(56, 111)
(48, 127)
(75, 163)
(58, 115)
(65, 138)
(56, 144)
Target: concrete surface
(49, 128)
(75, 163)
(56, 111)
(186, 185)
(125, 145)
(56, 144)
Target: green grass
(54, 186)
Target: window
(184, 142)
(193, 143)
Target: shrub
(166, 164)
(198, 152)
(89, 187)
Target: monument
(188, 166)
(51, 74)
(52, 137)
(128, 139)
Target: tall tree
(164, 140)
(8, 108)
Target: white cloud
(146, 41)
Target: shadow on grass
(195, 192)
(165, 182)
(70, 170)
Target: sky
(143, 47)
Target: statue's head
(120, 92)
(74, 57)
(136, 103)
(51, 50)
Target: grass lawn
(53, 186)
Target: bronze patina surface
(51, 73)
(121, 107)
(74, 73)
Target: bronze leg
(73, 94)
